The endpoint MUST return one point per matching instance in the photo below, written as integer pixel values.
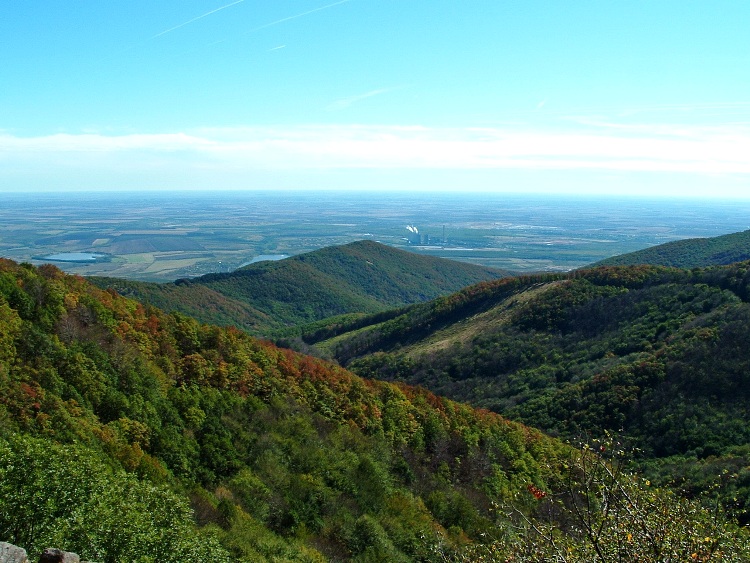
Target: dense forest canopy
(277, 452)
(263, 453)
(689, 253)
(659, 354)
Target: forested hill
(128, 434)
(116, 418)
(661, 354)
(361, 277)
(689, 253)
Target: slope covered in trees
(361, 277)
(280, 455)
(659, 353)
(689, 253)
(194, 300)
(128, 434)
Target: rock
(10, 553)
(52, 555)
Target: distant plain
(170, 235)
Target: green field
(163, 237)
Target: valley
(153, 236)
(410, 408)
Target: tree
(65, 496)
(600, 512)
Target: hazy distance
(164, 236)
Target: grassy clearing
(468, 329)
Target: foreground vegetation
(130, 434)
(280, 455)
(600, 512)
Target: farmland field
(165, 236)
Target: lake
(73, 257)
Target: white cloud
(98, 143)
(246, 150)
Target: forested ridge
(129, 434)
(661, 355)
(360, 277)
(689, 253)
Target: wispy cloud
(706, 108)
(195, 19)
(286, 19)
(169, 30)
(227, 39)
(711, 112)
(299, 15)
(344, 103)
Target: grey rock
(10, 553)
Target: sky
(637, 97)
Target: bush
(598, 511)
(64, 496)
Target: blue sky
(630, 97)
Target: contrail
(346, 102)
(294, 17)
(198, 18)
(276, 22)
(282, 20)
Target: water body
(74, 257)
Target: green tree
(65, 496)
(600, 512)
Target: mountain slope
(364, 276)
(282, 455)
(361, 277)
(115, 416)
(194, 300)
(689, 253)
(658, 353)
